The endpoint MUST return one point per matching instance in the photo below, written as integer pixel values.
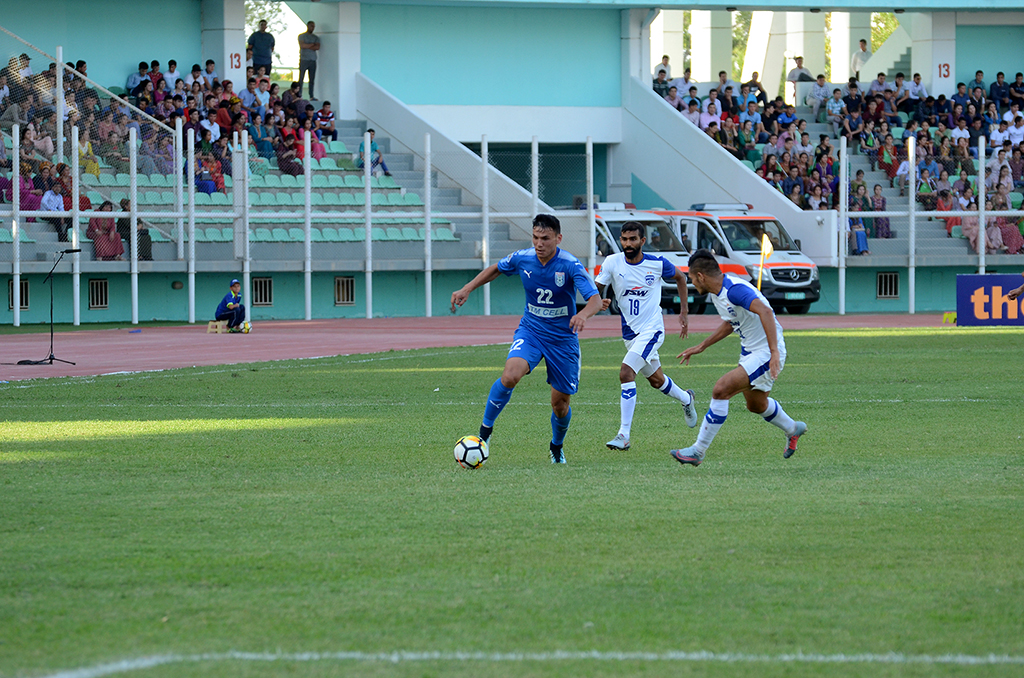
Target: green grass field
(315, 507)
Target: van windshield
(660, 237)
(745, 235)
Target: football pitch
(308, 518)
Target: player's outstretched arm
(684, 322)
(579, 321)
(605, 302)
(723, 331)
(485, 276)
(767, 317)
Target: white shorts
(756, 365)
(642, 352)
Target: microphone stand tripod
(50, 360)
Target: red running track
(98, 352)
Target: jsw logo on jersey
(636, 292)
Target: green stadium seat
(161, 180)
(167, 198)
(348, 199)
(394, 199)
(117, 91)
(263, 235)
(108, 180)
(257, 181)
(281, 235)
(123, 180)
(395, 234)
(141, 180)
(153, 197)
(338, 147)
(958, 232)
(227, 234)
(95, 198)
(156, 236)
(24, 237)
(336, 180)
(346, 234)
(228, 181)
(315, 235)
(331, 199)
(444, 235)
(6, 236)
(354, 180)
(328, 164)
(387, 182)
(212, 234)
(299, 234)
(378, 233)
(320, 181)
(272, 181)
(330, 234)
(410, 233)
(90, 180)
(375, 183)
(317, 199)
(288, 199)
(218, 198)
(254, 197)
(117, 196)
(413, 199)
(1016, 199)
(288, 181)
(749, 165)
(379, 199)
(203, 199)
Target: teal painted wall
(493, 55)
(563, 169)
(396, 294)
(89, 30)
(645, 198)
(989, 48)
(935, 290)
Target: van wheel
(799, 310)
(696, 308)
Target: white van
(661, 240)
(733, 232)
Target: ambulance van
(733, 232)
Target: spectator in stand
(210, 74)
(976, 132)
(755, 88)
(978, 101)
(879, 85)
(818, 96)
(859, 58)
(172, 76)
(729, 140)
(324, 122)
(881, 224)
(376, 159)
(287, 155)
(1016, 131)
(663, 66)
(746, 140)
(1016, 163)
(661, 85)
(993, 236)
(798, 74)
(692, 96)
(309, 47)
(724, 81)
(835, 111)
(52, 201)
(709, 116)
(260, 136)
(916, 93)
(853, 101)
(684, 82)
(712, 100)
(926, 189)
(961, 97)
(674, 100)
(136, 79)
(693, 113)
(1017, 89)
(752, 115)
(262, 44)
(304, 133)
(858, 228)
(195, 76)
(106, 240)
(793, 180)
(999, 92)
(979, 81)
(154, 71)
(250, 101)
(853, 125)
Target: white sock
(627, 405)
(776, 416)
(672, 390)
(718, 410)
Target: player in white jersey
(746, 312)
(635, 279)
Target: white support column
(934, 51)
(591, 220)
(535, 175)
(766, 47)
(76, 241)
(133, 194)
(307, 224)
(223, 35)
(61, 108)
(848, 28)
(179, 192)
(672, 33)
(16, 222)
(368, 221)
(485, 218)
(428, 236)
(191, 225)
(912, 243)
(710, 44)
(805, 36)
(844, 220)
(982, 217)
(240, 188)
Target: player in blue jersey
(745, 311)
(635, 279)
(549, 328)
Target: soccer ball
(246, 327)
(470, 452)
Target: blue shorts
(562, 358)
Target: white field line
(127, 665)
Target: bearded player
(745, 311)
(635, 279)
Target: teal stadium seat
(108, 180)
(410, 233)
(288, 181)
(354, 180)
(336, 181)
(161, 180)
(331, 199)
(218, 198)
(388, 182)
(227, 234)
(272, 181)
(281, 235)
(320, 181)
(346, 234)
(315, 235)
(444, 235)
(413, 199)
(299, 234)
(395, 234)
(395, 199)
(338, 147)
(330, 234)
(257, 181)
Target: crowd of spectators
(876, 120)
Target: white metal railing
(241, 213)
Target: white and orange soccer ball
(470, 452)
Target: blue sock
(496, 401)
(559, 427)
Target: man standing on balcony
(309, 46)
(860, 57)
(262, 43)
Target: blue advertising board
(983, 300)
